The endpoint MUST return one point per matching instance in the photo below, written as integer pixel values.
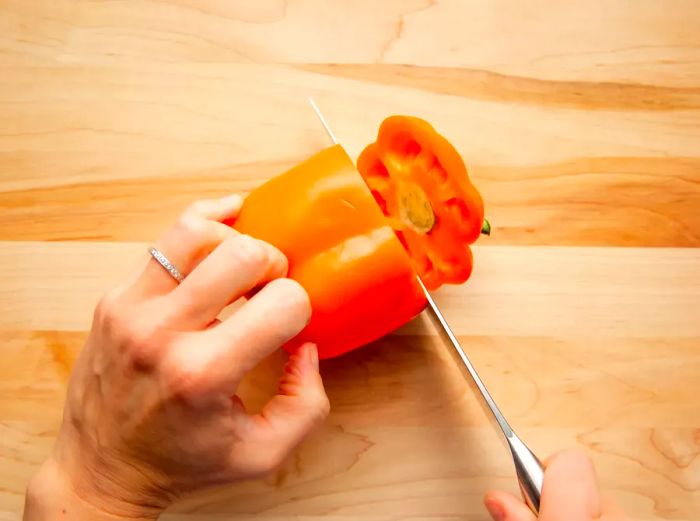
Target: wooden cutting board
(581, 127)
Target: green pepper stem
(486, 227)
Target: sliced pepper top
(421, 184)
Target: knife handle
(529, 470)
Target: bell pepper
(421, 184)
(340, 248)
(357, 243)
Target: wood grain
(580, 125)
(550, 173)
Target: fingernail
(496, 510)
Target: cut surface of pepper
(421, 184)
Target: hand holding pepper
(151, 412)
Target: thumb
(300, 404)
(570, 488)
(504, 507)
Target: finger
(505, 507)
(217, 209)
(300, 405)
(570, 488)
(187, 242)
(276, 314)
(184, 245)
(236, 266)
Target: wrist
(52, 494)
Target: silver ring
(169, 266)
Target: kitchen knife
(528, 467)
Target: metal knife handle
(529, 470)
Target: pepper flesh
(421, 184)
(340, 248)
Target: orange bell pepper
(356, 243)
(340, 248)
(421, 184)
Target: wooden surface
(580, 124)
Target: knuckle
(254, 251)
(191, 224)
(107, 312)
(199, 207)
(247, 253)
(183, 378)
(141, 348)
(137, 342)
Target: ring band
(169, 266)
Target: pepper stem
(486, 227)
